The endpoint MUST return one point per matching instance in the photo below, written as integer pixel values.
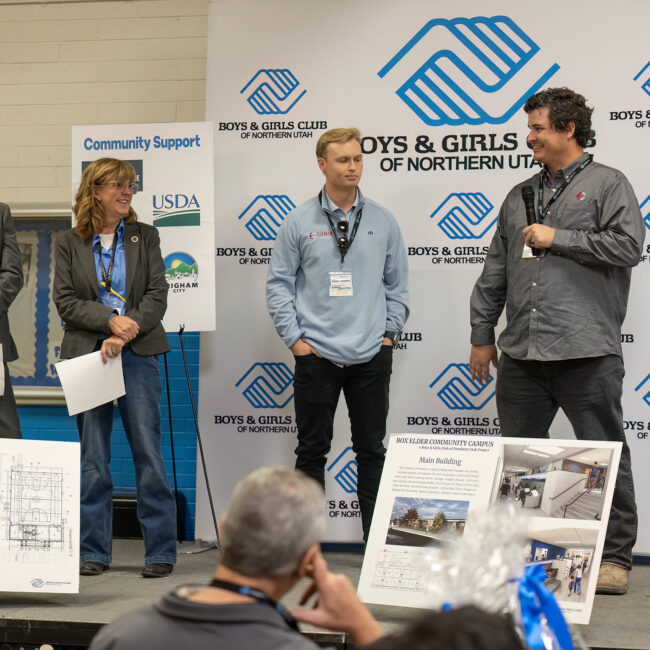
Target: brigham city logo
(464, 215)
(346, 470)
(267, 385)
(458, 391)
(644, 78)
(273, 91)
(176, 210)
(264, 215)
(466, 71)
(181, 271)
(645, 397)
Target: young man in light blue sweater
(337, 293)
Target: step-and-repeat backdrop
(437, 90)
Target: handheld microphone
(528, 195)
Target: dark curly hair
(564, 106)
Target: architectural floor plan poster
(39, 516)
(431, 483)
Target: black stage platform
(70, 620)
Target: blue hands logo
(267, 385)
(273, 92)
(264, 215)
(463, 215)
(646, 397)
(645, 79)
(466, 61)
(346, 473)
(646, 206)
(458, 391)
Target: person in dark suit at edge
(11, 282)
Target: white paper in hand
(89, 382)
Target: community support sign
(437, 91)
(174, 169)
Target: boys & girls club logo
(264, 215)
(273, 91)
(645, 211)
(176, 210)
(464, 215)
(344, 469)
(267, 385)
(458, 391)
(644, 390)
(643, 77)
(467, 71)
(181, 272)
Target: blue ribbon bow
(535, 599)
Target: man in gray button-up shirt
(564, 305)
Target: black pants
(317, 386)
(589, 392)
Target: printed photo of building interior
(566, 555)
(555, 481)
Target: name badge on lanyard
(340, 283)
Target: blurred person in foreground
(111, 293)
(465, 628)
(270, 538)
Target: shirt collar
(565, 172)
(119, 230)
(330, 206)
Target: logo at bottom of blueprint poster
(181, 272)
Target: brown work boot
(612, 579)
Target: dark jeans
(9, 423)
(317, 386)
(589, 392)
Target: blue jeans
(589, 391)
(156, 509)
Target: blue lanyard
(260, 597)
(556, 195)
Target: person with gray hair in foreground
(270, 538)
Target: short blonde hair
(335, 135)
(89, 213)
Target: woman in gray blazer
(111, 293)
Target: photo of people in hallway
(566, 554)
(555, 481)
(426, 522)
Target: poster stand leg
(199, 547)
(180, 500)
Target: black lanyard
(543, 211)
(260, 597)
(107, 276)
(353, 233)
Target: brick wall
(69, 63)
